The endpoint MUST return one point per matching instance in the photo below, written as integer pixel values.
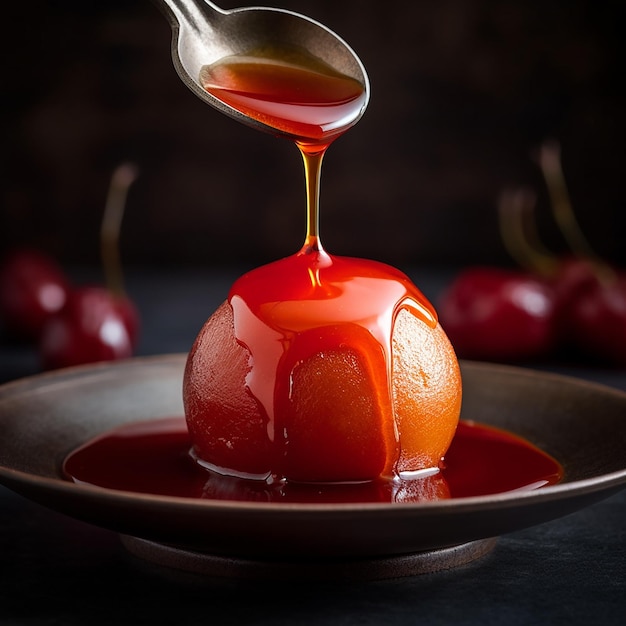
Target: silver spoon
(202, 33)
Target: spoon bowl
(203, 33)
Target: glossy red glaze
(295, 379)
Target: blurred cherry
(97, 323)
(572, 277)
(574, 301)
(498, 315)
(592, 310)
(598, 321)
(591, 294)
(93, 326)
(32, 287)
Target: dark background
(463, 92)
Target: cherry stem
(121, 180)
(550, 163)
(516, 212)
(312, 157)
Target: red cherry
(32, 287)
(95, 325)
(598, 321)
(592, 310)
(499, 315)
(573, 277)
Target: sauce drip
(152, 457)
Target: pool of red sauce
(152, 457)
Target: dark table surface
(56, 570)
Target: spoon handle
(192, 13)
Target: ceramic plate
(45, 417)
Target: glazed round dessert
(322, 369)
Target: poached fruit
(322, 369)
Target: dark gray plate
(43, 418)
